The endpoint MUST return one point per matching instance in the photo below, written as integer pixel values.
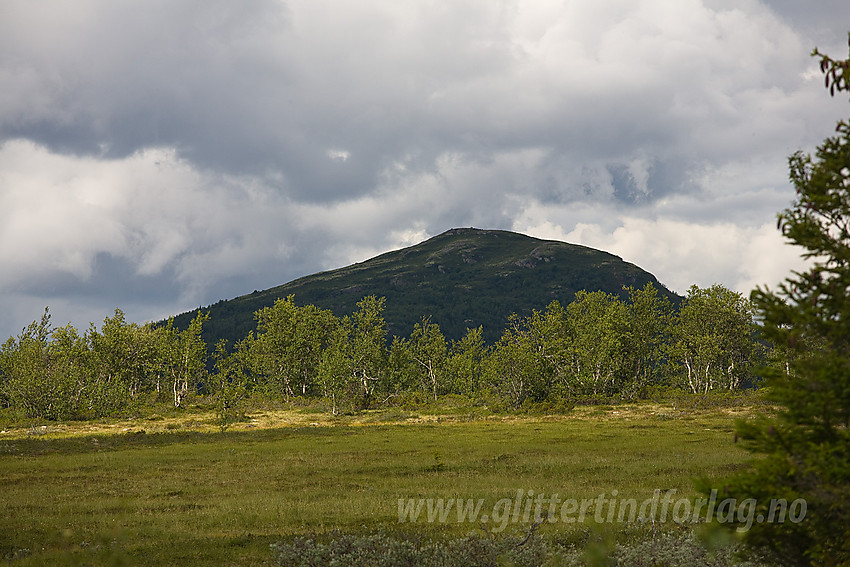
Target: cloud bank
(157, 156)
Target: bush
(677, 550)
(552, 406)
(382, 549)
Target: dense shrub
(382, 549)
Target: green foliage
(289, 344)
(680, 550)
(517, 368)
(367, 348)
(806, 447)
(230, 386)
(58, 374)
(384, 550)
(712, 338)
(125, 359)
(466, 361)
(598, 346)
(597, 325)
(428, 349)
(648, 321)
(336, 373)
(601, 343)
(184, 357)
(402, 370)
(38, 377)
(475, 550)
(463, 278)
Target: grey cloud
(203, 150)
(258, 88)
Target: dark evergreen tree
(806, 446)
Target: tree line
(60, 373)
(598, 345)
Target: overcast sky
(161, 155)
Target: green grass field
(175, 490)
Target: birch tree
(597, 325)
(517, 367)
(230, 384)
(368, 334)
(712, 339)
(43, 370)
(648, 317)
(427, 347)
(336, 372)
(466, 360)
(184, 357)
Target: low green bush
(684, 549)
(384, 550)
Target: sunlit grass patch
(177, 490)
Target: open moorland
(172, 489)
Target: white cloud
(169, 154)
(152, 210)
(681, 254)
(339, 155)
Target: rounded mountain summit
(462, 278)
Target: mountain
(464, 277)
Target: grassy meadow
(173, 489)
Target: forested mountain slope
(464, 277)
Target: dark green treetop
(807, 444)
